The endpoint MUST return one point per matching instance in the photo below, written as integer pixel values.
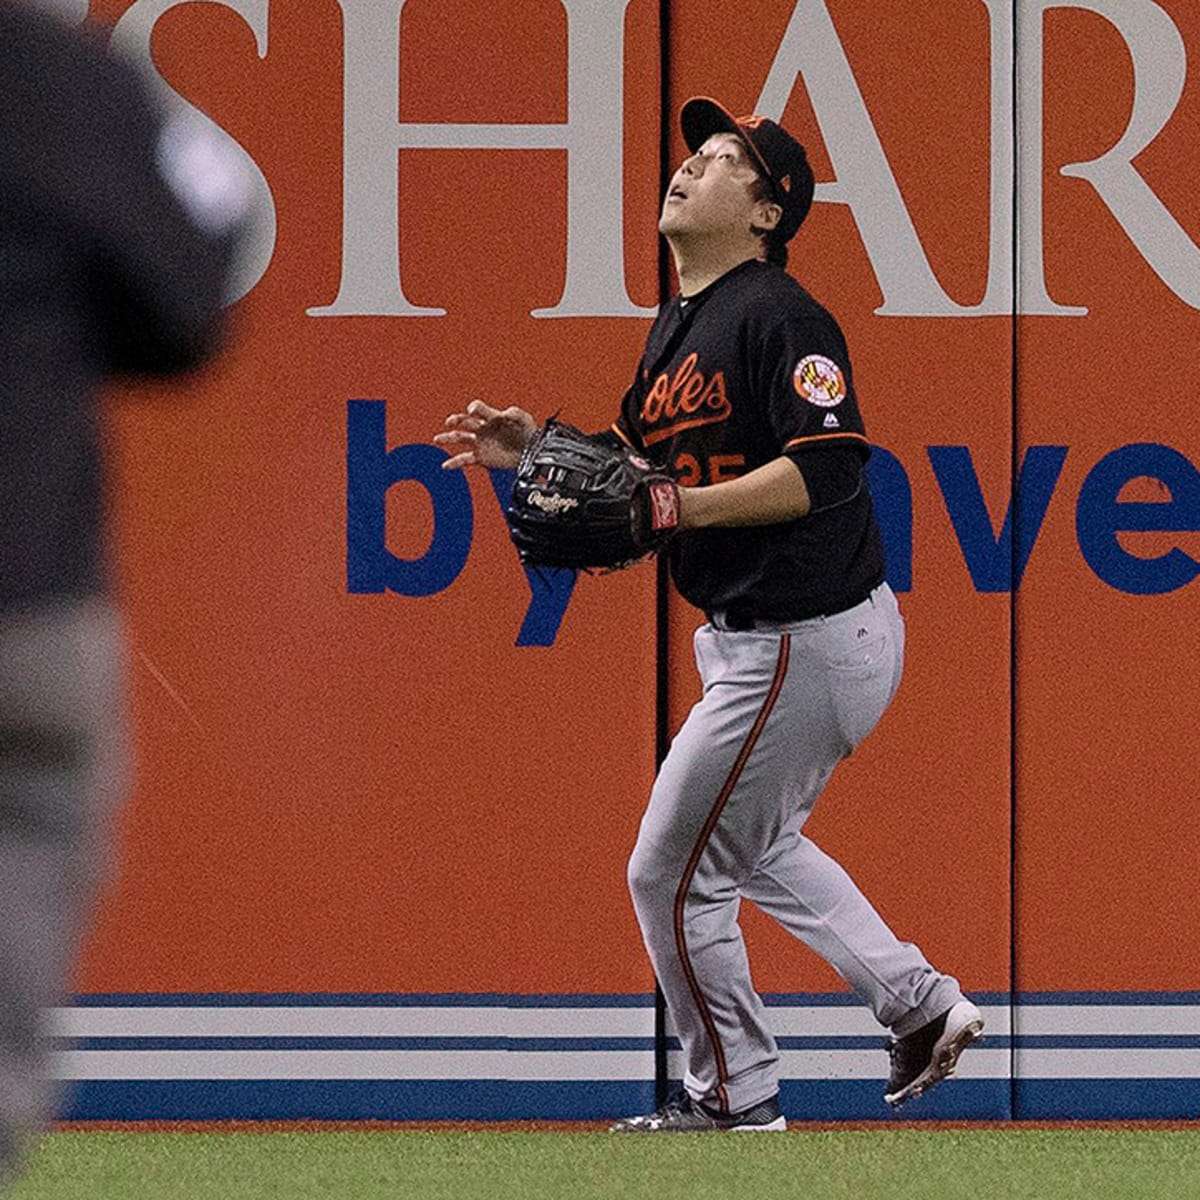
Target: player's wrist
(695, 509)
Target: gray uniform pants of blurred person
(782, 706)
(62, 768)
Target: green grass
(1066, 1164)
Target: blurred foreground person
(118, 226)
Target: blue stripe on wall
(1058, 999)
(488, 1100)
(359, 999)
(359, 1043)
(1107, 1099)
(580, 1000)
(491, 1100)
(352, 1100)
(862, 1100)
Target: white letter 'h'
(591, 135)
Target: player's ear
(765, 216)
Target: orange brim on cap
(702, 116)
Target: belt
(743, 622)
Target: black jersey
(102, 272)
(747, 370)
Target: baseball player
(745, 393)
(117, 229)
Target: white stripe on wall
(1108, 1064)
(543, 1066)
(980, 1063)
(519, 1063)
(354, 1064)
(474, 1022)
(361, 1021)
(531, 1067)
(857, 1021)
(1121, 1020)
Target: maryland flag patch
(820, 381)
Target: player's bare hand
(486, 437)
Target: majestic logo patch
(820, 381)
(552, 505)
(831, 422)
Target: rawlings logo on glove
(552, 504)
(585, 503)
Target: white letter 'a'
(865, 183)
(131, 37)
(592, 133)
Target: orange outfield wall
(1108, 677)
(940, 757)
(378, 792)
(357, 791)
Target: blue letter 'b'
(371, 470)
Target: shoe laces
(677, 1101)
(898, 1053)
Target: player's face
(710, 194)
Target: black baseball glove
(587, 503)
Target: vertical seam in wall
(1014, 451)
(662, 678)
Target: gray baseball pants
(781, 707)
(62, 767)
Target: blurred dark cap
(777, 154)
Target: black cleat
(929, 1054)
(682, 1114)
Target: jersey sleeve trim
(824, 437)
(617, 430)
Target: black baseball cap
(776, 153)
